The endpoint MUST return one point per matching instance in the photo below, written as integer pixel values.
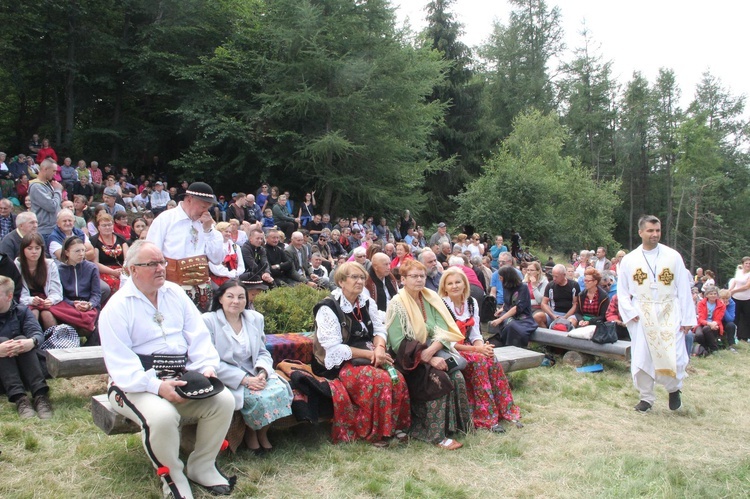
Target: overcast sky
(638, 35)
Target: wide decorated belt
(190, 271)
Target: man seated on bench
(559, 299)
(150, 331)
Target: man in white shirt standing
(150, 332)
(653, 292)
(186, 237)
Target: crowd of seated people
(387, 281)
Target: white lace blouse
(475, 333)
(328, 328)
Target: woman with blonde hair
(537, 282)
(421, 333)
(233, 265)
(486, 384)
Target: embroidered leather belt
(166, 366)
(190, 271)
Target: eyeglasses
(418, 277)
(589, 280)
(361, 256)
(357, 278)
(152, 265)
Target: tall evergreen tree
(667, 119)
(337, 103)
(517, 58)
(589, 110)
(459, 139)
(634, 143)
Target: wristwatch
(36, 341)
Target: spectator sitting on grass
(20, 335)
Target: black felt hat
(198, 386)
(201, 190)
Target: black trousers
(21, 373)
(742, 318)
(707, 337)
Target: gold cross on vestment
(640, 276)
(666, 277)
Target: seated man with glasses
(150, 333)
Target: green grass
(581, 439)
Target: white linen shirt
(127, 327)
(171, 232)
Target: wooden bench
(112, 423)
(581, 351)
(72, 362)
(518, 359)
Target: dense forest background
(334, 95)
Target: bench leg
(577, 359)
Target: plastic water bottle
(393, 373)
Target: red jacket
(44, 153)
(718, 313)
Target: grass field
(581, 439)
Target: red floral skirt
(113, 281)
(367, 405)
(488, 391)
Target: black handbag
(488, 308)
(605, 332)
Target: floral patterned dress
(367, 404)
(487, 386)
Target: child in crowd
(268, 222)
(730, 328)
(121, 225)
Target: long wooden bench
(580, 349)
(112, 423)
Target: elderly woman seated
(421, 333)
(370, 398)
(246, 367)
(110, 251)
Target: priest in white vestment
(653, 290)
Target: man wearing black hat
(186, 237)
(150, 333)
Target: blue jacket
(59, 237)
(729, 313)
(80, 282)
